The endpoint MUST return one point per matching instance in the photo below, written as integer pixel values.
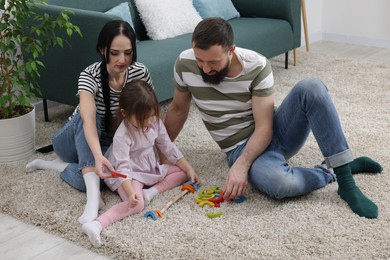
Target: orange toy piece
(188, 187)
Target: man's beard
(216, 78)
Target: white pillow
(167, 18)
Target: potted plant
(25, 36)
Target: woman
(81, 143)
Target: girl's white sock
(39, 164)
(93, 230)
(149, 194)
(94, 200)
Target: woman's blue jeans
(308, 107)
(70, 145)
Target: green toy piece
(214, 215)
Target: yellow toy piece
(206, 202)
(209, 191)
(198, 199)
(204, 195)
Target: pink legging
(175, 177)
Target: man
(233, 89)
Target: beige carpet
(316, 226)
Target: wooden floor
(21, 241)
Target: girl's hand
(133, 200)
(193, 176)
(186, 167)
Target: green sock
(349, 192)
(365, 164)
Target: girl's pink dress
(133, 153)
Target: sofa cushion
(216, 8)
(122, 10)
(90, 5)
(268, 36)
(159, 57)
(167, 19)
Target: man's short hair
(212, 31)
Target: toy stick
(170, 203)
(187, 187)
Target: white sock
(149, 194)
(94, 200)
(39, 164)
(93, 230)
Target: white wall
(350, 21)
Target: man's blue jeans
(70, 145)
(308, 107)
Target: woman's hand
(103, 167)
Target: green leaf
(25, 36)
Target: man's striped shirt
(226, 109)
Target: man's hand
(236, 182)
(237, 179)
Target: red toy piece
(117, 174)
(219, 199)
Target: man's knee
(286, 188)
(277, 185)
(312, 87)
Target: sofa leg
(286, 60)
(295, 57)
(45, 110)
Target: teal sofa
(271, 27)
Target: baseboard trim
(353, 39)
(342, 38)
(39, 104)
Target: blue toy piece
(151, 214)
(193, 184)
(240, 199)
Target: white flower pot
(17, 137)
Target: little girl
(133, 153)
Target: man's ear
(232, 48)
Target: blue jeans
(308, 107)
(70, 145)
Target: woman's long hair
(107, 34)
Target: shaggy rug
(318, 225)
